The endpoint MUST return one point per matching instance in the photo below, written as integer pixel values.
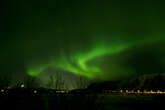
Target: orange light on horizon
(144, 91)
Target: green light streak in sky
(36, 71)
(77, 62)
(83, 59)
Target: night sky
(97, 39)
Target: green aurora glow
(77, 63)
(106, 40)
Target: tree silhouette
(5, 80)
(56, 82)
(18, 84)
(31, 82)
(82, 83)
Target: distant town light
(141, 92)
(145, 91)
(22, 86)
(2, 90)
(132, 91)
(35, 91)
(61, 91)
(151, 91)
(158, 91)
(138, 91)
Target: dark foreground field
(47, 101)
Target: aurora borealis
(103, 40)
(76, 62)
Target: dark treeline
(145, 82)
(56, 82)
